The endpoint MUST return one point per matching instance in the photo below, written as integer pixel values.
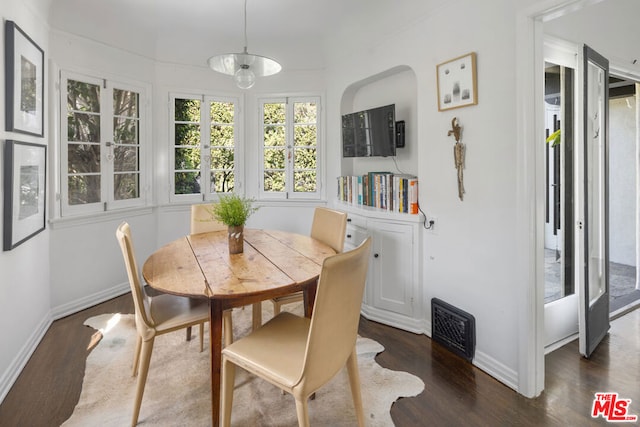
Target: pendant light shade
(244, 66)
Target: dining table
(273, 263)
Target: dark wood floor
(456, 393)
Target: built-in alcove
(397, 86)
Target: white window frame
(107, 201)
(205, 138)
(289, 193)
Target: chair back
(329, 226)
(336, 314)
(201, 220)
(144, 322)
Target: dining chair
(154, 316)
(329, 227)
(203, 222)
(300, 355)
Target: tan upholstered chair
(328, 226)
(201, 222)
(300, 355)
(154, 316)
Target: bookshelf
(386, 191)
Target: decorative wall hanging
(457, 82)
(24, 82)
(24, 192)
(458, 154)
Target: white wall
(24, 282)
(622, 180)
(470, 261)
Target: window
(102, 153)
(290, 152)
(204, 144)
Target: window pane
(187, 158)
(305, 135)
(187, 182)
(83, 158)
(84, 189)
(274, 158)
(187, 134)
(222, 135)
(274, 136)
(304, 112)
(274, 113)
(125, 131)
(222, 158)
(83, 127)
(305, 182)
(304, 158)
(83, 96)
(126, 186)
(222, 112)
(222, 181)
(274, 181)
(125, 103)
(187, 110)
(125, 158)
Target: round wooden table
(273, 263)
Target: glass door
(594, 313)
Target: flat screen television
(369, 133)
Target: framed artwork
(24, 84)
(457, 82)
(24, 191)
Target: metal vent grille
(453, 328)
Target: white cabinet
(393, 293)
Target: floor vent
(453, 328)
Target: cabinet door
(392, 266)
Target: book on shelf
(382, 190)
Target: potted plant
(233, 211)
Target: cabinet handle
(348, 236)
(376, 255)
(348, 219)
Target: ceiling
(301, 34)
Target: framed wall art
(24, 192)
(24, 84)
(457, 82)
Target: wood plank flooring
(456, 393)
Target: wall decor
(24, 82)
(24, 191)
(458, 154)
(457, 82)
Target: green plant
(554, 138)
(232, 209)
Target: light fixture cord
(245, 26)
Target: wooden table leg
(309, 298)
(215, 349)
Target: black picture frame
(24, 82)
(25, 192)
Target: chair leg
(302, 409)
(276, 307)
(227, 324)
(147, 349)
(226, 392)
(354, 383)
(136, 356)
(201, 329)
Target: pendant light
(244, 66)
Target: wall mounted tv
(369, 133)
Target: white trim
(80, 304)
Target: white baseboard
(11, 374)
(89, 301)
(497, 370)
